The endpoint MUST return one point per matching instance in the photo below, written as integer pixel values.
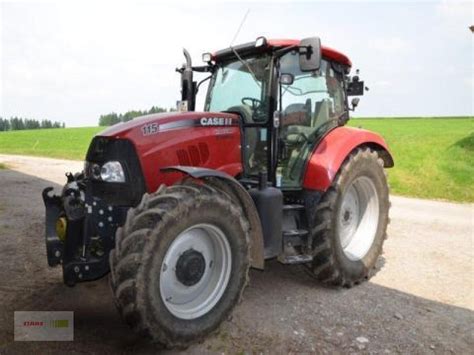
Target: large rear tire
(350, 222)
(180, 264)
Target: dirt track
(422, 299)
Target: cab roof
(249, 48)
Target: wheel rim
(358, 218)
(195, 271)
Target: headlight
(112, 171)
(206, 57)
(260, 41)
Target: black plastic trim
(199, 173)
(103, 149)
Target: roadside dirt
(421, 301)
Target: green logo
(60, 323)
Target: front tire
(180, 264)
(350, 222)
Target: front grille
(129, 193)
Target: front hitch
(80, 230)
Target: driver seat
(321, 112)
(244, 111)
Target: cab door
(311, 105)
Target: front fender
(334, 148)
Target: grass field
(69, 143)
(434, 157)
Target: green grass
(434, 157)
(2, 166)
(69, 143)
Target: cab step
(295, 259)
(294, 233)
(294, 237)
(293, 207)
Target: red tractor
(178, 206)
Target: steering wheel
(302, 138)
(254, 103)
(258, 113)
(299, 138)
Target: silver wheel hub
(358, 216)
(195, 271)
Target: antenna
(240, 27)
(237, 54)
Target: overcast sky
(72, 61)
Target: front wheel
(350, 222)
(181, 263)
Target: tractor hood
(206, 139)
(155, 123)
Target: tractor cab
(288, 93)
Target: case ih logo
(216, 121)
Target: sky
(73, 61)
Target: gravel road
(421, 301)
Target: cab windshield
(242, 87)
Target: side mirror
(286, 79)
(310, 54)
(355, 87)
(354, 103)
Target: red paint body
(213, 147)
(219, 147)
(327, 52)
(331, 152)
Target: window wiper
(201, 82)
(243, 62)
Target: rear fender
(227, 184)
(334, 148)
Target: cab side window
(313, 98)
(310, 106)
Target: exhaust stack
(188, 86)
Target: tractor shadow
(466, 143)
(279, 303)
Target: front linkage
(80, 230)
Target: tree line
(113, 118)
(18, 123)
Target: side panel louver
(194, 155)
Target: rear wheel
(350, 222)
(180, 264)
